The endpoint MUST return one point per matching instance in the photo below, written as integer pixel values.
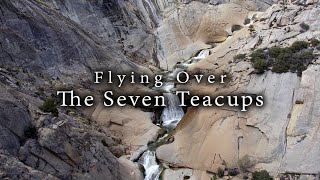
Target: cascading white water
(152, 169)
(203, 54)
(166, 87)
(172, 113)
(170, 117)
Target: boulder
(129, 169)
(14, 119)
(132, 125)
(12, 168)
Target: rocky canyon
(266, 47)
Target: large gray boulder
(12, 168)
(68, 149)
(14, 120)
(14, 117)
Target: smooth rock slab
(303, 135)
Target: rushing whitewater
(172, 113)
(203, 54)
(166, 87)
(170, 117)
(149, 162)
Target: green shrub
(244, 163)
(280, 67)
(214, 178)
(299, 45)
(285, 55)
(274, 51)
(247, 21)
(31, 132)
(233, 172)
(261, 175)
(306, 55)
(294, 65)
(49, 105)
(239, 57)
(314, 42)
(257, 54)
(300, 69)
(235, 28)
(294, 58)
(251, 28)
(228, 77)
(220, 172)
(260, 65)
(304, 26)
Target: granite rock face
(14, 120)
(158, 32)
(40, 50)
(193, 27)
(207, 138)
(133, 126)
(53, 44)
(272, 136)
(302, 131)
(66, 149)
(38, 39)
(12, 168)
(126, 26)
(190, 26)
(36, 145)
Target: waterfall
(152, 169)
(203, 54)
(166, 87)
(172, 113)
(170, 117)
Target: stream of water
(152, 168)
(170, 117)
(172, 113)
